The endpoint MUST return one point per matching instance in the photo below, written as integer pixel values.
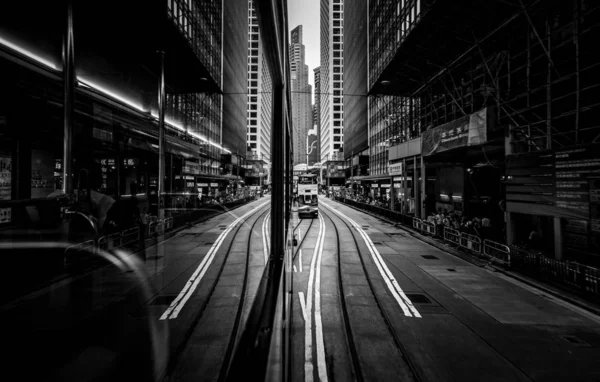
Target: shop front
(405, 174)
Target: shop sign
(190, 184)
(202, 184)
(387, 185)
(191, 167)
(466, 131)
(395, 168)
(214, 184)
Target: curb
(489, 265)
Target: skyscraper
(331, 78)
(259, 92)
(301, 96)
(317, 110)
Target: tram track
(350, 331)
(299, 246)
(176, 355)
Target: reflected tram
(307, 191)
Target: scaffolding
(537, 68)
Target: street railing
(452, 235)
(497, 251)
(470, 242)
(428, 227)
(110, 241)
(570, 274)
(417, 223)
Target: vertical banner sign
(5, 187)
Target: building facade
(259, 106)
(317, 109)
(499, 124)
(356, 127)
(301, 95)
(331, 79)
(113, 120)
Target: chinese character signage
(395, 168)
(466, 131)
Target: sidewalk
(559, 292)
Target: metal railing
(129, 236)
(452, 235)
(417, 223)
(570, 274)
(110, 241)
(428, 227)
(470, 242)
(497, 251)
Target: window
(336, 62)
(336, 146)
(337, 100)
(253, 122)
(336, 131)
(337, 123)
(252, 145)
(337, 77)
(336, 138)
(337, 115)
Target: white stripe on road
(191, 285)
(265, 231)
(392, 284)
(308, 362)
(302, 304)
(300, 259)
(322, 367)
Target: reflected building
(301, 95)
(115, 130)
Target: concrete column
(416, 188)
(404, 185)
(558, 239)
(510, 228)
(392, 192)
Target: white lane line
(300, 259)
(302, 304)
(308, 362)
(321, 366)
(392, 284)
(265, 235)
(295, 270)
(191, 285)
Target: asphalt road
(370, 302)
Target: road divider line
(265, 235)
(302, 304)
(321, 365)
(300, 259)
(308, 359)
(403, 301)
(191, 285)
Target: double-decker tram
(308, 203)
